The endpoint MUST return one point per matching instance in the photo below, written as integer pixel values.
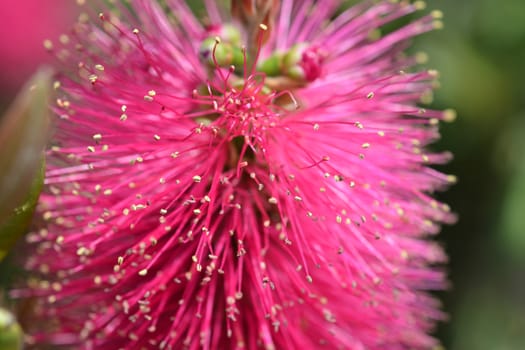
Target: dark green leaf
(16, 225)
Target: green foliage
(480, 55)
(10, 332)
(17, 223)
(23, 135)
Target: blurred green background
(481, 56)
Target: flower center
(284, 69)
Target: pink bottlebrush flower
(265, 189)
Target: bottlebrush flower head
(254, 180)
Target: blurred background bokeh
(24, 25)
(480, 54)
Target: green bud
(296, 73)
(227, 46)
(230, 34)
(301, 63)
(226, 54)
(293, 56)
(272, 66)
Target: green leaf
(17, 224)
(23, 136)
(10, 332)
